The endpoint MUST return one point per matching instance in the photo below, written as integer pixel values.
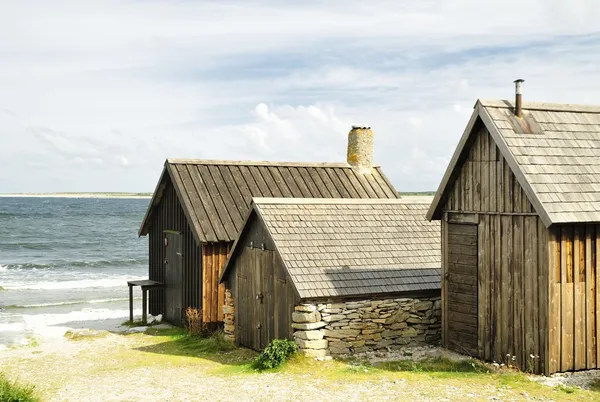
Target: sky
(94, 96)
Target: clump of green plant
(565, 388)
(194, 324)
(11, 391)
(205, 345)
(436, 364)
(275, 354)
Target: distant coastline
(78, 195)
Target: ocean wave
(78, 284)
(78, 264)
(67, 303)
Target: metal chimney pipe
(518, 97)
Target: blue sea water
(64, 262)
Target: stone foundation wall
(345, 328)
(228, 316)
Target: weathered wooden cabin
(199, 207)
(303, 255)
(520, 207)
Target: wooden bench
(145, 285)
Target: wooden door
(461, 285)
(173, 278)
(255, 305)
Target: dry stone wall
(228, 316)
(344, 328)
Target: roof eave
(435, 209)
(156, 196)
(234, 247)
(434, 212)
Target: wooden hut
(325, 270)
(520, 207)
(199, 207)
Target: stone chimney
(360, 148)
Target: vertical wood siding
(574, 252)
(461, 289)
(169, 215)
(512, 258)
(512, 296)
(258, 269)
(485, 182)
(214, 256)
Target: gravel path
(121, 368)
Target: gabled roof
(345, 247)
(216, 195)
(553, 151)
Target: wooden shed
(297, 251)
(199, 207)
(520, 207)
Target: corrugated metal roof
(354, 247)
(216, 195)
(556, 158)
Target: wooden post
(144, 290)
(130, 303)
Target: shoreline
(75, 195)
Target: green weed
(275, 354)
(11, 391)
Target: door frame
(466, 219)
(175, 280)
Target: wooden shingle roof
(554, 152)
(342, 247)
(216, 195)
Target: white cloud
(89, 89)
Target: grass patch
(32, 342)
(11, 391)
(212, 347)
(566, 389)
(213, 344)
(595, 385)
(437, 365)
(139, 323)
(80, 334)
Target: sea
(64, 263)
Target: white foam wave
(67, 303)
(12, 327)
(78, 284)
(39, 321)
(3, 268)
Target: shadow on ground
(214, 347)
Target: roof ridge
(543, 106)
(183, 161)
(337, 201)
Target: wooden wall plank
(530, 294)
(567, 324)
(555, 291)
(444, 290)
(596, 265)
(590, 315)
(482, 281)
(578, 300)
